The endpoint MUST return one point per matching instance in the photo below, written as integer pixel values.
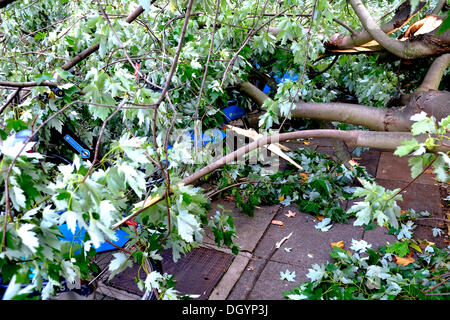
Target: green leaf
(316, 273)
(187, 225)
(118, 264)
(145, 4)
(417, 163)
(445, 25)
(28, 237)
(414, 4)
(426, 125)
(407, 147)
(17, 125)
(45, 76)
(399, 248)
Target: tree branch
(394, 46)
(370, 117)
(135, 14)
(401, 17)
(353, 32)
(434, 75)
(353, 138)
(434, 103)
(438, 7)
(87, 52)
(43, 83)
(9, 99)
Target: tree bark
(421, 46)
(434, 75)
(433, 102)
(402, 16)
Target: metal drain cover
(197, 272)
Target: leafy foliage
(320, 189)
(436, 134)
(376, 275)
(109, 102)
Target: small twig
(247, 39)
(300, 79)
(436, 286)
(413, 180)
(43, 83)
(211, 45)
(169, 78)
(97, 146)
(9, 99)
(336, 57)
(353, 32)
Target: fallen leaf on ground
(280, 198)
(307, 142)
(290, 214)
(339, 244)
(303, 175)
(287, 275)
(404, 261)
(353, 163)
(320, 218)
(278, 222)
(310, 255)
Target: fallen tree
(178, 64)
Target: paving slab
(391, 167)
(270, 287)
(230, 278)
(418, 196)
(307, 245)
(369, 159)
(248, 229)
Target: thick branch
(394, 46)
(81, 56)
(402, 16)
(370, 117)
(434, 75)
(134, 14)
(353, 138)
(434, 103)
(417, 46)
